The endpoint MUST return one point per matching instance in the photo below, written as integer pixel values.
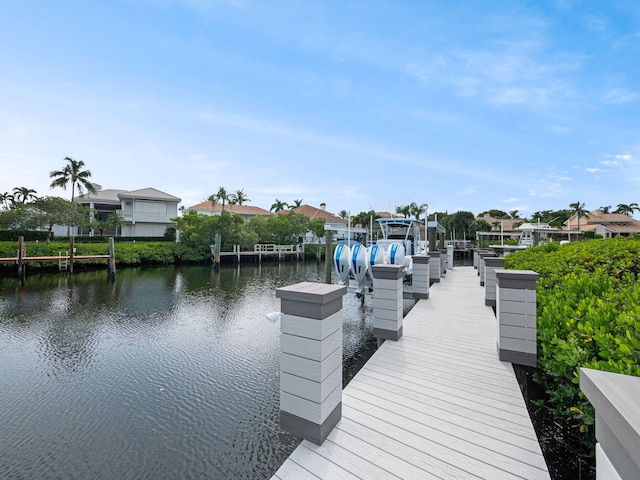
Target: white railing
(273, 248)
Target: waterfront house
(607, 225)
(330, 220)
(144, 213)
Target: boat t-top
(402, 230)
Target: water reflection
(166, 373)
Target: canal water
(166, 373)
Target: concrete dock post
(450, 250)
(615, 399)
(435, 267)
(516, 314)
(481, 263)
(490, 279)
(443, 262)
(420, 279)
(311, 359)
(387, 301)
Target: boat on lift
(406, 233)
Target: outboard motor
(395, 254)
(341, 262)
(375, 256)
(359, 262)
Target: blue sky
(463, 105)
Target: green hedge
(588, 315)
(137, 253)
(29, 235)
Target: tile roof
(312, 213)
(114, 195)
(239, 209)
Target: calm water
(168, 373)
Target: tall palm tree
(578, 210)
(7, 199)
(343, 214)
(404, 210)
(605, 209)
(72, 173)
(297, 203)
(514, 214)
(627, 209)
(238, 198)
(222, 196)
(278, 206)
(24, 194)
(418, 210)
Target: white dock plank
(437, 404)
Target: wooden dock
(437, 404)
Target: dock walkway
(437, 404)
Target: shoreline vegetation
(128, 254)
(587, 316)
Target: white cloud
(511, 200)
(620, 95)
(594, 170)
(596, 23)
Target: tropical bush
(588, 315)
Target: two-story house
(145, 213)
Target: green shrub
(587, 316)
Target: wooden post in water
(216, 251)
(328, 255)
(111, 265)
(21, 254)
(72, 251)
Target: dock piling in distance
(111, 263)
(435, 266)
(387, 301)
(450, 250)
(72, 252)
(516, 315)
(490, 279)
(420, 278)
(22, 249)
(311, 359)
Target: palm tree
(7, 200)
(496, 225)
(343, 214)
(297, 203)
(578, 210)
(72, 173)
(222, 196)
(514, 214)
(238, 198)
(278, 206)
(24, 194)
(404, 210)
(605, 209)
(418, 210)
(627, 209)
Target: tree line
(24, 209)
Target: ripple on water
(172, 373)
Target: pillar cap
(310, 292)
